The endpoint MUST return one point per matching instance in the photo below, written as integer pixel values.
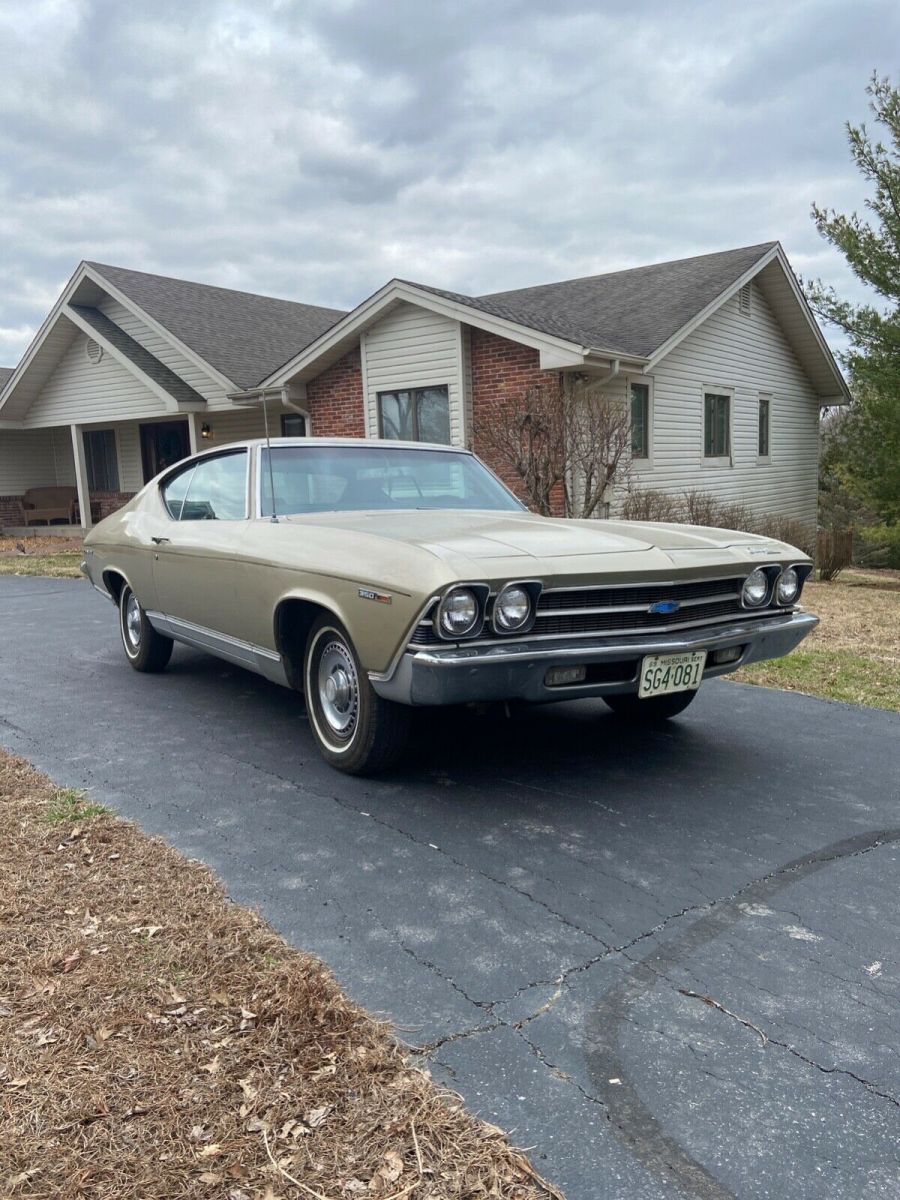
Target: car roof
(385, 443)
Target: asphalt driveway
(669, 960)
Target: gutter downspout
(612, 374)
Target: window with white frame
(101, 458)
(764, 426)
(716, 425)
(640, 420)
(415, 414)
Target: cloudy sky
(315, 149)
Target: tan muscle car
(378, 575)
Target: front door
(162, 444)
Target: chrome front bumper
(463, 674)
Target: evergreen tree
(870, 436)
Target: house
(718, 357)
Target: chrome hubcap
(133, 622)
(338, 689)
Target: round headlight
(788, 586)
(458, 612)
(512, 608)
(755, 590)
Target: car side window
(175, 490)
(217, 490)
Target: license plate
(664, 673)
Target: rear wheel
(355, 729)
(654, 708)
(145, 649)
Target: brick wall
(111, 501)
(335, 399)
(9, 510)
(501, 371)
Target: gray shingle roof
(633, 311)
(5, 373)
(142, 359)
(244, 336)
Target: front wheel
(654, 708)
(145, 648)
(355, 729)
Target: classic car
(375, 576)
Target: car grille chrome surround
(619, 610)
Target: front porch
(93, 469)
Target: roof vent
(744, 298)
(93, 350)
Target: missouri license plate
(664, 673)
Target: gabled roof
(145, 362)
(636, 316)
(242, 335)
(635, 311)
(5, 374)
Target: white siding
(746, 355)
(413, 348)
(240, 423)
(63, 457)
(162, 349)
(26, 460)
(79, 390)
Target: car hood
(526, 542)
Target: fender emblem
(378, 597)
(664, 606)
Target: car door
(195, 552)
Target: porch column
(81, 479)
(193, 420)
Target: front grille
(600, 597)
(619, 611)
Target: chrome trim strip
(405, 644)
(222, 644)
(102, 590)
(472, 656)
(605, 587)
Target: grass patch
(854, 655)
(158, 1041)
(57, 557)
(58, 566)
(70, 804)
(834, 674)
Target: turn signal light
(565, 676)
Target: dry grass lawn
(54, 556)
(854, 655)
(157, 1041)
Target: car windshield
(311, 479)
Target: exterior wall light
(205, 431)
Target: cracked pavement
(668, 960)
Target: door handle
(158, 541)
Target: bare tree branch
(566, 442)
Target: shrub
(834, 551)
(787, 529)
(642, 504)
(878, 546)
(702, 508)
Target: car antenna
(269, 457)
